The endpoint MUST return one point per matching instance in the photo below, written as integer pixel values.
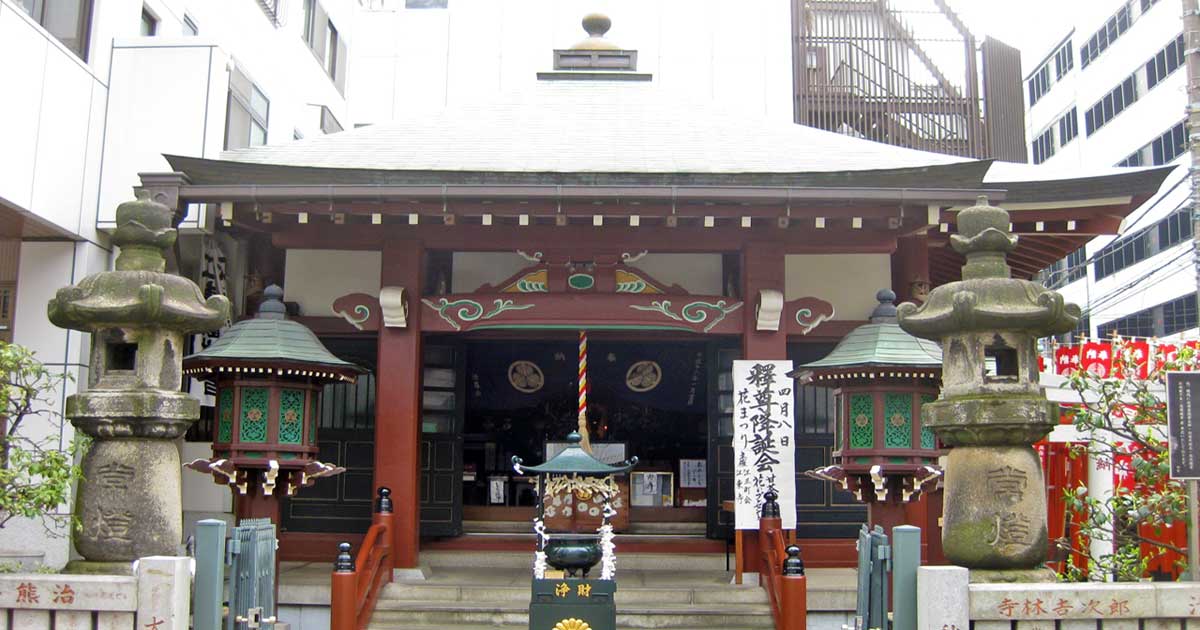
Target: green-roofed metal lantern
(576, 471)
(881, 376)
(269, 373)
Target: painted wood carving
(631, 311)
(359, 309)
(806, 313)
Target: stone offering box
(573, 604)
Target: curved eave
(227, 180)
(569, 462)
(213, 368)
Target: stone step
(389, 625)
(524, 527)
(410, 614)
(625, 560)
(415, 592)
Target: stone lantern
(129, 501)
(881, 375)
(991, 408)
(269, 373)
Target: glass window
(331, 51)
(69, 21)
(329, 124)
(308, 21)
(149, 27)
(248, 113)
(189, 26)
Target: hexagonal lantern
(881, 375)
(269, 373)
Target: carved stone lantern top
(988, 298)
(139, 293)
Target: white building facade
(97, 91)
(1111, 93)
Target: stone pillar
(129, 501)
(398, 403)
(992, 408)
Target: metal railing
(357, 580)
(782, 569)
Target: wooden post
(398, 403)
(383, 516)
(343, 601)
(794, 592)
(909, 263)
(762, 268)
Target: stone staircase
(473, 591)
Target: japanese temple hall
(457, 255)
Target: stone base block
(84, 567)
(1012, 576)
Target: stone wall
(158, 596)
(946, 600)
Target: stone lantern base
(995, 513)
(130, 508)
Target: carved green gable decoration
(129, 502)
(991, 407)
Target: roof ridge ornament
(596, 24)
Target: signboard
(763, 440)
(1183, 410)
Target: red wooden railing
(356, 581)
(781, 572)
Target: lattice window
(928, 439)
(225, 416)
(254, 414)
(291, 416)
(897, 413)
(862, 421)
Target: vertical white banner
(764, 446)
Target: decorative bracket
(394, 307)
(769, 310)
(880, 483)
(269, 477)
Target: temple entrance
(648, 399)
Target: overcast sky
(1033, 26)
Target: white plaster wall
(848, 281)
(473, 269)
(316, 277)
(698, 273)
(49, 120)
(734, 55)
(44, 268)
(172, 99)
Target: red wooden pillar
(910, 263)
(762, 268)
(398, 403)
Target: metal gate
(251, 559)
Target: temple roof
(590, 128)
(270, 340)
(881, 343)
(626, 134)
